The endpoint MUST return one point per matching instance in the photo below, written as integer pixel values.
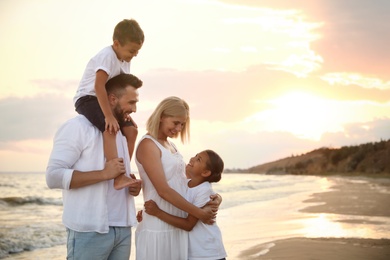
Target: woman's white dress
(155, 239)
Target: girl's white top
(205, 241)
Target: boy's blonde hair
(128, 31)
(170, 107)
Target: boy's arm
(183, 223)
(101, 94)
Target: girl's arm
(183, 223)
(149, 156)
(101, 94)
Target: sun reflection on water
(333, 225)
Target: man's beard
(119, 114)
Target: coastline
(349, 220)
(325, 217)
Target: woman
(162, 170)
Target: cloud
(356, 30)
(33, 117)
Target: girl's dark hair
(215, 165)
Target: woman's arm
(149, 156)
(183, 223)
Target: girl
(162, 170)
(205, 241)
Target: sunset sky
(264, 79)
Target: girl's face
(171, 126)
(197, 165)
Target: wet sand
(350, 221)
(348, 218)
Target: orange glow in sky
(310, 74)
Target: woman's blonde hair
(170, 107)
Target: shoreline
(337, 218)
(301, 248)
(357, 204)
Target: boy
(91, 96)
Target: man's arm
(70, 144)
(183, 223)
(112, 169)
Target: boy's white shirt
(105, 60)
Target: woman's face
(171, 126)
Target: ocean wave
(30, 237)
(19, 201)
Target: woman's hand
(211, 209)
(215, 199)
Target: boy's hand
(129, 119)
(151, 208)
(112, 125)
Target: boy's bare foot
(122, 181)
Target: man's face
(126, 104)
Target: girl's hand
(139, 216)
(151, 208)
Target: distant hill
(369, 158)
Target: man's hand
(113, 168)
(135, 187)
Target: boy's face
(127, 51)
(197, 165)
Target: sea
(30, 212)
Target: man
(97, 217)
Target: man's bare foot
(122, 181)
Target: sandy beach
(350, 218)
(344, 218)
